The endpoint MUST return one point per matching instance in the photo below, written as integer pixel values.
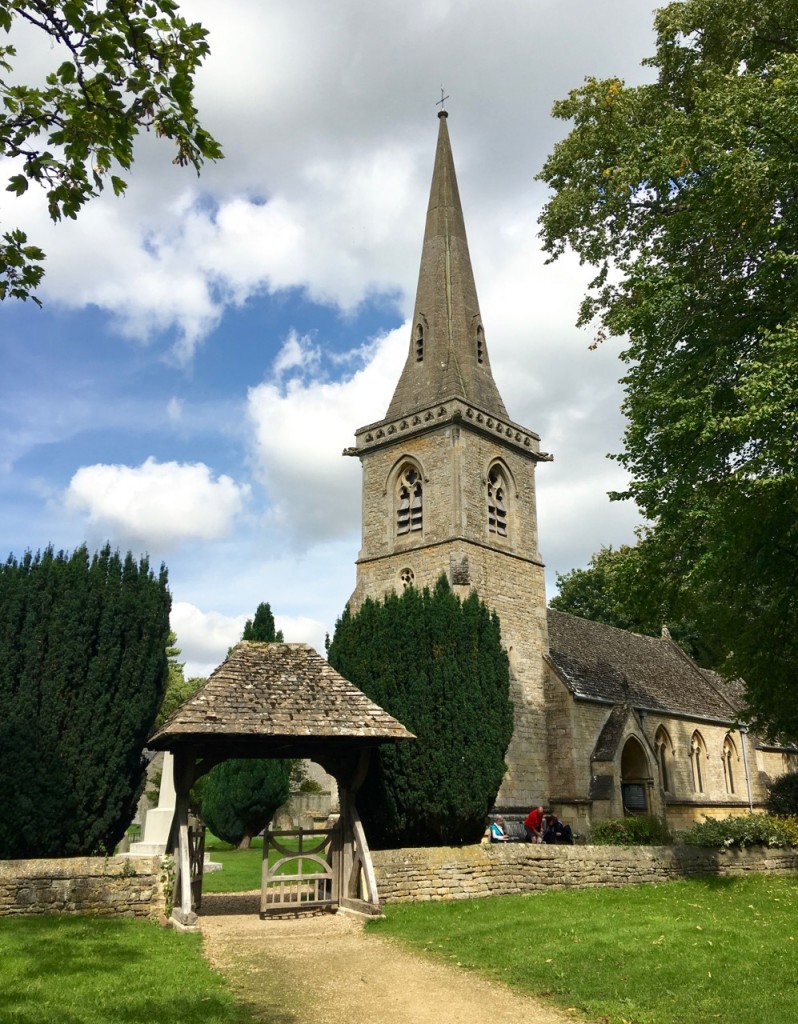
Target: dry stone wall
(470, 872)
(112, 886)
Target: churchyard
(720, 949)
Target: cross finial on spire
(440, 103)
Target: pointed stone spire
(448, 357)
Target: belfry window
(409, 510)
(419, 343)
(497, 502)
(480, 345)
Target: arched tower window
(480, 344)
(409, 503)
(419, 343)
(664, 751)
(497, 501)
(729, 757)
(698, 756)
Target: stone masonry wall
(454, 460)
(470, 872)
(112, 886)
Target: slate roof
(272, 692)
(602, 663)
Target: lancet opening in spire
(448, 357)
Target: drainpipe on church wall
(743, 731)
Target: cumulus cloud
(327, 164)
(157, 504)
(204, 637)
(301, 425)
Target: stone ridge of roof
(279, 690)
(604, 663)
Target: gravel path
(325, 969)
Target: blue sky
(208, 347)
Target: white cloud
(204, 638)
(301, 427)
(157, 504)
(320, 108)
(297, 353)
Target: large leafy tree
(436, 664)
(240, 796)
(682, 194)
(118, 67)
(625, 587)
(82, 672)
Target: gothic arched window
(729, 756)
(698, 756)
(664, 751)
(409, 504)
(497, 501)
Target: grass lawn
(91, 970)
(242, 868)
(701, 950)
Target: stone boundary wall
(470, 872)
(118, 886)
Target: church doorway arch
(635, 778)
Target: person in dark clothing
(557, 831)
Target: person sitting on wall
(533, 825)
(557, 831)
(497, 833)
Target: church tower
(449, 479)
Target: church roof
(602, 663)
(448, 356)
(277, 692)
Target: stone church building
(606, 722)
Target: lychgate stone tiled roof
(274, 691)
(603, 663)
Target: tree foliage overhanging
(118, 67)
(82, 672)
(240, 796)
(624, 587)
(682, 194)
(437, 665)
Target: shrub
(783, 794)
(743, 830)
(636, 830)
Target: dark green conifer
(82, 672)
(240, 796)
(437, 665)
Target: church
(606, 722)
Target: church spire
(448, 357)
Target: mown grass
(242, 868)
(90, 970)
(700, 950)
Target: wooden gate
(300, 878)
